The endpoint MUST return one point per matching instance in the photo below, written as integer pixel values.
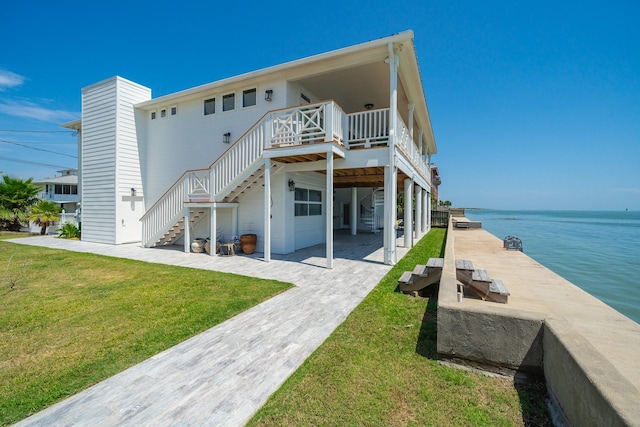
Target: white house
(289, 153)
(62, 190)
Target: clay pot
(248, 243)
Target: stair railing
(308, 123)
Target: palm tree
(44, 214)
(16, 197)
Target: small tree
(44, 214)
(16, 197)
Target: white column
(329, 212)
(187, 232)
(267, 210)
(234, 221)
(390, 256)
(418, 227)
(213, 230)
(420, 144)
(354, 211)
(408, 213)
(427, 210)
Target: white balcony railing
(368, 129)
(307, 124)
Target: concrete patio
(222, 376)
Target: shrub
(69, 231)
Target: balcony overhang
(305, 152)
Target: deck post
(408, 213)
(213, 230)
(419, 202)
(329, 212)
(354, 211)
(187, 232)
(390, 180)
(267, 210)
(328, 122)
(427, 211)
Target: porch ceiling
(353, 88)
(362, 177)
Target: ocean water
(598, 251)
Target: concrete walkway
(222, 376)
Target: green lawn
(379, 368)
(73, 319)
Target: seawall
(587, 351)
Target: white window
(307, 202)
(209, 106)
(174, 110)
(248, 98)
(163, 112)
(229, 102)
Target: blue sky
(534, 105)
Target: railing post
(268, 130)
(211, 185)
(328, 122)
(345, 129)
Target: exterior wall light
(292, 185)
(268, 94)
(368, 106)
(226, 138)
(133, 192)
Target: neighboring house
(62, 190)
(288, 153)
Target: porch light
(133, 192)
(226, 138)
(368, 106)
(268, 94)
(292, 185)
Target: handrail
(308, 121)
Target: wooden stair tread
(498, 287)
(406, 277)
(435, 263)
(420, 270)
(464, 264)
(480, 276)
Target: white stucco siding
(98, 162)
(192, 140)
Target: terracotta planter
(248, 243)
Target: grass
(379, 368)
(79, 318)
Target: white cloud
(31, 110)
(9, 79)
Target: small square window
(209, 106)
(229, 102)
(153, 115)
(174, 111)
(163, 113)
(249, 98)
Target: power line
(38, 149)
(37, 131)
(33, 163)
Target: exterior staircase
(374, 203)
(239, 169)
(177, 230)
(479, 282)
